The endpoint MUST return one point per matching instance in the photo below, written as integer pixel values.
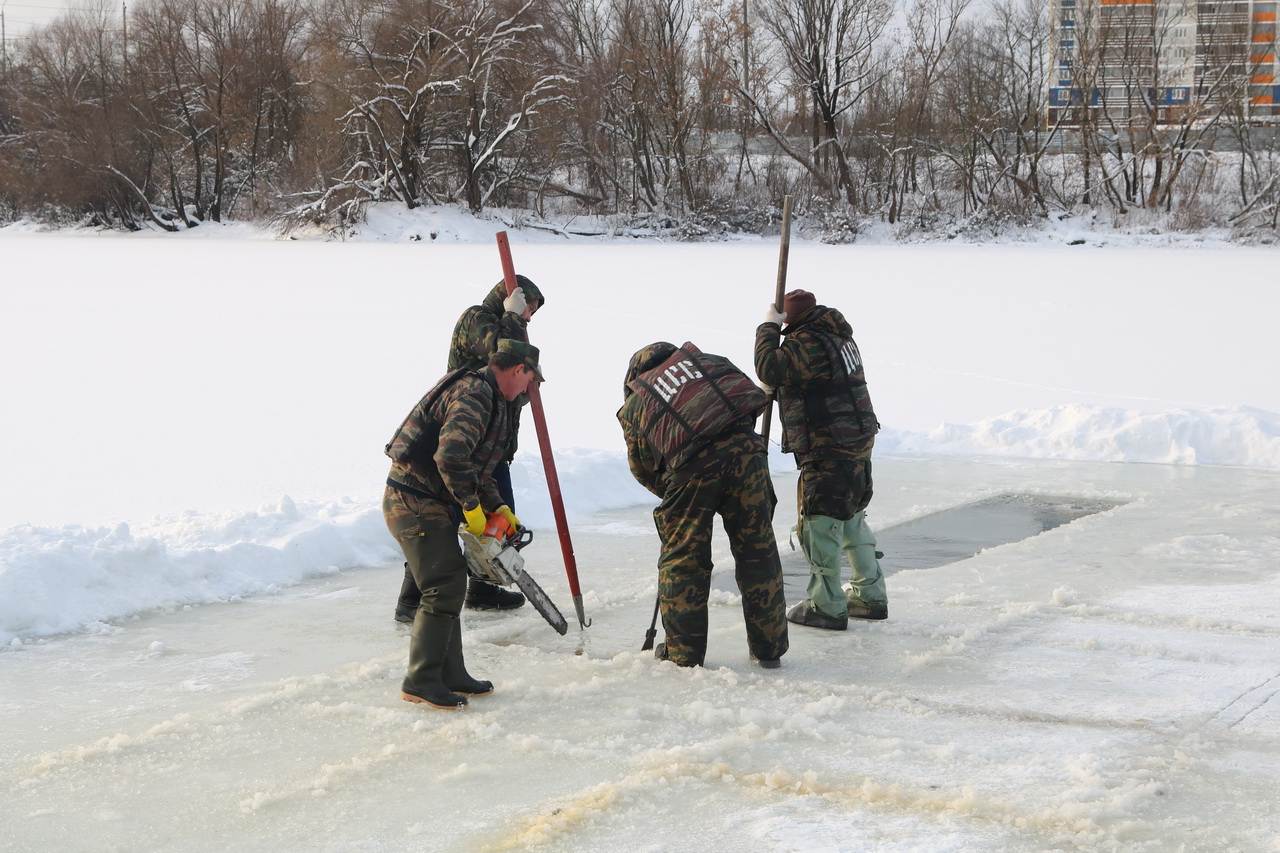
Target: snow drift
(1230, 436)
(57, 580)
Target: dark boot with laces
(482, 595)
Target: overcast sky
(21, 15)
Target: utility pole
(124, 29)
(4, 48)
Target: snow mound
(1241, 436)
(591, 481)
(58, 580)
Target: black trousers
(410, 592)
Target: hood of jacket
(644, 359)
(820, 318)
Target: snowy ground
(231, 676)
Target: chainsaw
(495, 556)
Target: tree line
(685, 113)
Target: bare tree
(829, 47)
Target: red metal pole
(548, 460)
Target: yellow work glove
(475, 520)
(505, 512)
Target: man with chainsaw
(830, 426)
(688, 419)
(475, 338)
(443, 459)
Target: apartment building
(1126, 59)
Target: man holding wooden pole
(828, 423)
(830, 426)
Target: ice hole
(955, 534)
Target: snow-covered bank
(1242, 436)
(392, 222)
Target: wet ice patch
(964, 531)
(940, 538)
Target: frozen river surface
(1110, 683)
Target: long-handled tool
(548, 460)
(652, 633)
(783, 251)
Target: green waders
(823, 539)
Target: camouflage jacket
(452, 440)
(674, 410)
(821, 386)
(475, 338)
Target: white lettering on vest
(667, 391)
(852, 358)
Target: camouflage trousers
(836, 488)
(729, 478)
(428, 535)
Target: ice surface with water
(1108, 684)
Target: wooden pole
(784, 251)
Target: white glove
(773, 315)
(515, 302)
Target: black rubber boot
(456, 677)
(805, 613)
(482, 595)
(428, 649)
(407, 603)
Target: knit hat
(797, 303)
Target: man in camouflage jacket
(475, 338)
(443, 458)
(727, 474)
(829, 424)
